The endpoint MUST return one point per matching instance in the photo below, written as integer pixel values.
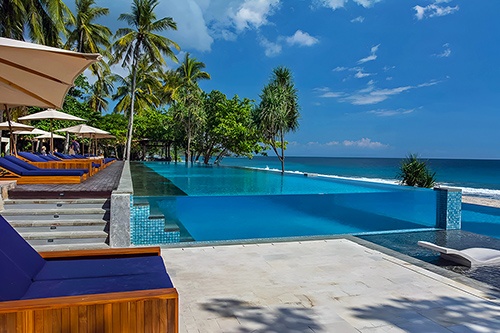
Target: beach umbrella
(13, 126)
(83, 130)
(36, 131)
(51, 114)
(38, 75)
(50, 136)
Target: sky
(376, 78)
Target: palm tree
(148, 84)
(41, 20)
(132, 43)
(278, 111)
(86, 35)
(100, 91)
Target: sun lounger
(46, 162)
(32, 175)
(476, 256)
(113, 290)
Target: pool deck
(99, 185)
(335, 285)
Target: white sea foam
(478, 192)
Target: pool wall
(163, 220)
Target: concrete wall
(121, 201)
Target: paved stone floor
(319, 286)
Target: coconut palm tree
(83, 34)
(100, 91)
(278, 111)
(41, 20)
(142, 38)
(148, 83)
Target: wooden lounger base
(153, 310)
(46, 179)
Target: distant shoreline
(481, 201)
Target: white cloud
(389, 78)
(360, 75)
(364, 143)
(253, 13)
(339, 69)
(372, 55)
(388, 113)
(331, 94)
(434, 10)
(271, 49)
(359, 19)
(302, 39)
(372, 94)
(335, 4)
(388, 68)
(322, 89)
(446, 53)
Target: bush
(414, 172)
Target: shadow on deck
(98, 186)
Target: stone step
(70, 247)
(52, 226)
(55, 205)
(56, 217)
(52, 201)
(65, 237)
(54, 211)
(48, 223)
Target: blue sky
(376, 78)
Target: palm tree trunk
(131, 117)
(282, 158)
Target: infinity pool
(178, 203)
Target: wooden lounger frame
(9, 175)
(155, 310)
(65, 165)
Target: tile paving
(99, 185)
(332, 285)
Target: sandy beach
(481, 201)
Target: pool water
(210, 203)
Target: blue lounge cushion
(22, 171)
(21, 163)
(98, 285)
(91, 268)
(51, 157)
(32, 157)
(13, 281)
(18, 250)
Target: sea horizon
(476, 177)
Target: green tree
(100, 91)
(147, 84)
(41, 20)
(414, 172)
(228, 127)
(278, 111)
(83, 33)
(142, 39)
(187, 110)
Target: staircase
(58, 225)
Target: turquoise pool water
(201, 180)
(226, 204)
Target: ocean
(480, 178)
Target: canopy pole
(12, 143)
(51, 137)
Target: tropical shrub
(414, 172)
